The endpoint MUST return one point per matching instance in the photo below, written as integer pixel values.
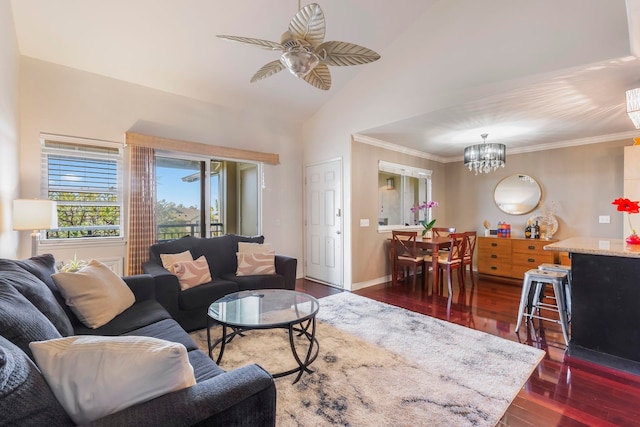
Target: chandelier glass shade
(485, 158)
(633, 106)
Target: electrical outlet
(604, 219)
(364, 222)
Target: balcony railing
(168, 232)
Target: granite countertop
(596, 246)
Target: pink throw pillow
(191, 273)
(250, 264)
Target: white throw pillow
(254, 247)
(94, 293)
(254, 263)
(94, 376)
(191, 273)
(169, 259)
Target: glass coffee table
(267, 309)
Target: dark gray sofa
(32, 309)
(189, 307)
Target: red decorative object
(626, 205)
(634, 239)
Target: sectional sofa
(33, 311)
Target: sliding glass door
(206, 197)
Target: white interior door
(323, 255)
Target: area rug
(385, 366)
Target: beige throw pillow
(191, 273)
(254, 263)
(169, 259)
(94, 293)
(254, 247)
(94, 376)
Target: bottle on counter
(527, 230)
(537, 232)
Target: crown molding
(530, 149)
(397, 148)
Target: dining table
(432, 244)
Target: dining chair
(443, 231)
(470, 248)
(451, 260)
(406, 255)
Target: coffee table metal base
(306, 328)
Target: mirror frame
(510, 183)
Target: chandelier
(633, 106)
(484, 157)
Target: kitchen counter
(605, 291)
(596, 246)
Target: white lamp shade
(34, 214)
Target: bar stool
(567, 285)
(541, 278)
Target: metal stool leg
(524, 300)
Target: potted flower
(427, 226)
(630, 207)
(74, 265)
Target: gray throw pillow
(25, 396)
(21, 322)
(37, 292)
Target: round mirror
(517, 194)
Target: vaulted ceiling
(528, 73)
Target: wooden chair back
(405, 243)
(458, 248)
(471, 246)
(443, 231)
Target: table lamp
(34, 215)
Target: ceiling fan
(305, 53)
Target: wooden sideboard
(512, 257)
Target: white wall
(64, 101)
(8, 129)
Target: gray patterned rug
(381, 365)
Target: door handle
(338, 232)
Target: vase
(633, 239)
(427, 234)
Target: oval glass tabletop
(263, 308)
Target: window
(400, 188)
(189, 204)
(84, 177)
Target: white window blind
(84, 177)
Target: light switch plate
(364, 222)
(604, 219)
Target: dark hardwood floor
(562, 391)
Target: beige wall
(9, 184)
(64, 101)
(369, 247)
(582, 181)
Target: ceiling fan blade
(268, 70)
(319, 77)
(265, 44)
(344, 54)
(309, 24)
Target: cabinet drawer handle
(494, 244)
(531, 247)
(531, 260)
(493, 267)
(494, 256)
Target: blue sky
(171, 187)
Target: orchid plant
(424, 206)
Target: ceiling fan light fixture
(299, 62)
(485, 158)
(633, 106)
